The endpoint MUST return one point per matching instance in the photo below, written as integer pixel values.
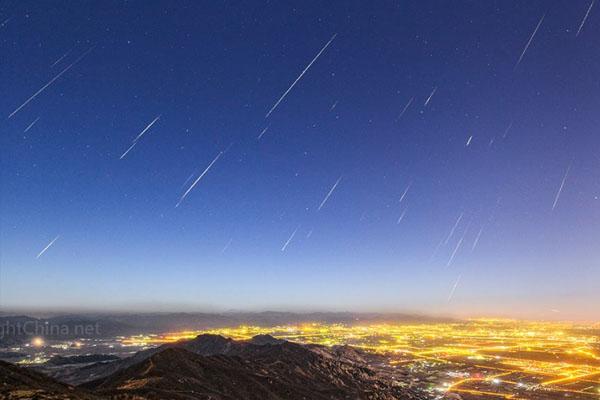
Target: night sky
(464, 181)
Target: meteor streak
(262, 133)
(300, 76)
(453, 228)
(47, 247)
(50, 82)
(529, 42)
(430, 96)
(198, 179)
(135, 141)
(127, 151)
(329, 194)
(146, 129)
(451, 295)
(477, 239)
(457, 247)
(31, 124)
(585, 18)
(401, 217)
(507, 129)
(290, 239)
(226, 246)
(61, 58)
(406, 107)
(405, 192)
(455, 251)
(562, 184)
(188, 179)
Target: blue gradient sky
(213, 69)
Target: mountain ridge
(218, 368)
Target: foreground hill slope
(22, 383)
(255, 372)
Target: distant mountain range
(110, 325)
(216, 368)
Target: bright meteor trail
(562, 184)
(198, 179)
(31, 124)
(329, 194)
(146, 129)
(50, 82)
(300, 76)
(128, 150)
(585, 18)
(47, 247)
(290, 239)
(406, 107)
(139, 137)
(430, 96)
(529, 41)
(405, 192)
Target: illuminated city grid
(483, 358)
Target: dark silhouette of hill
(245, 371)
(22, 383)
(204, 345)
(216, 368)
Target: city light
(487, 358)
(37, 342)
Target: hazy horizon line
(41, 312)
